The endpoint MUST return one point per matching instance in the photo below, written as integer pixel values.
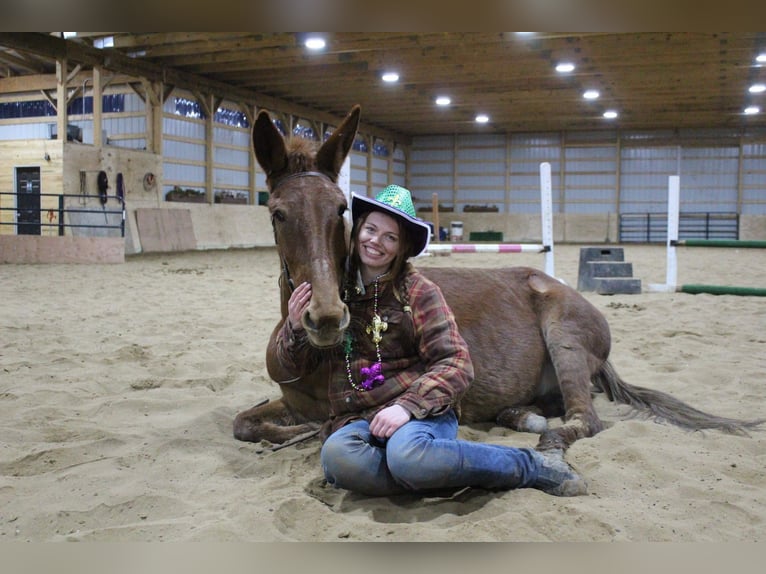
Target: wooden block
(617, 286)
(165, 230)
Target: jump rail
(671, 277)
(487, 248)
(742, 244)
(546, 216)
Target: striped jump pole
(546, 216)
(671, 284)
(486, 248)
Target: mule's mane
(301, 155)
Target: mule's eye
(341, 210)
(278, 215)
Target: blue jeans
(422, 455)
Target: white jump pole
(546, 214)
(546, 247)
(671, 276)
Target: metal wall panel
(644, 175)
(183, 150)
(231, 178)
(229, 156)
(183, 172)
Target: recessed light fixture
(757, 88)
(761, 58)
(443, 101)
(752, 110)
(482, 118)
(390, 77)
(105, 42)
(565, 67)
(610, 114)
(315, 43)
(591, 94)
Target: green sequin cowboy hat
(396, 201)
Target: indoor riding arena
(139, 276)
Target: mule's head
(307, 213)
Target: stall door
(28, 200)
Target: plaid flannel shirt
(427, 368)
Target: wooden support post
(61, 99)
(98, 128)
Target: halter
(285, 271)
(282, 180)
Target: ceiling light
(69, 34)
(482, 119)
(761, 58)
(390, 77)
(315, 43)
(443, 101)
(565, 67)
(105, 42)
(752, 110)
(757, 88)
(610, 114)
(591, 95)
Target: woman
(395, 385)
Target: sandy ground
(118, 385)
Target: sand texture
(119, 384)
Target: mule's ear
(269, 145)
(333, 152)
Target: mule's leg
(272, 422)
(573, 371)
(523, 419)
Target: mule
(539, 347)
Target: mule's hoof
(535, 424)
(556, 476)
(550, 440)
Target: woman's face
(377, 243)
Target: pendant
(372, 376)
(378, 325)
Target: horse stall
(99, 204)
(66, 202)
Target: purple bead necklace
(373, 375)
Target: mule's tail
(663, 406)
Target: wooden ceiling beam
(109, 59)
(24, 63)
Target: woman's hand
(388, 420)
(297, 305)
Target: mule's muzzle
(325, 331)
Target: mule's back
(505, 314)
